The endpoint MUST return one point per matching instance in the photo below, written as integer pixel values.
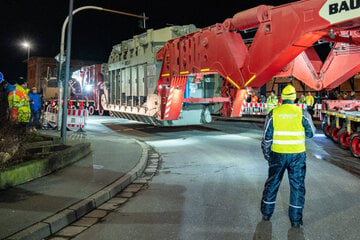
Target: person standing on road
(19, 106)
(283, 146)
(254, 98)
(272, 101)
(35, 106)
(309, 100)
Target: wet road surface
(210, 183)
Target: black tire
(344, 138)
(91, 110)
(355, 144)
(327, 130)
(101, 112)
(334, 133)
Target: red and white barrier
(317, 111)
(302, 105)
(261, 108)
(76, 119)
(51, 116)
(255, 109)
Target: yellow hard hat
(288, 93)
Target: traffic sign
(1, 77)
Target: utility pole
(67, 73)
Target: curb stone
(43, 229)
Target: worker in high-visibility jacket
(310, 101)
(271, 102)
(19, 105)
(283, 146)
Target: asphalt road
(210, 183)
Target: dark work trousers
(296, 167)
(34, 119)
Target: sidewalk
(113, 156)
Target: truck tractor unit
(87, 89)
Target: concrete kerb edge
(74, 212)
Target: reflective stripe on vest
(289, 133)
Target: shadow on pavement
(296, 234)
(263, 231)
(147, 130)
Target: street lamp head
(26, 45)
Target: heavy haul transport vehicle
(180, 75)
(86, 88)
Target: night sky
(95, 32)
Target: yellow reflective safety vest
(22, 105)
(309, 100)
(289, 132)
(271, 103)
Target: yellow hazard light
(165, 74)
(250, 80)
(184, 72)
(232, 82)
(205, 70)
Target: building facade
(42, 71)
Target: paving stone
(85, 222)
(70, 231)
(97, 213)
(108, 206)
(140, 181)
(152, 170)
(125, 194)
(134, 188)
(58, 238)
(118, 200)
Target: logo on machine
(336, 11)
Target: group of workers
(24, 106)
(272, 101)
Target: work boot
(266, 218)
(296, 224)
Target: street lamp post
(62, 115)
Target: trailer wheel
(91, 110)
(355, 144)
(334, 133)
(344, 138)
(101, 112)
(327, 130)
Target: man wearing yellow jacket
(283, 146)
(19, 105)
(272, 101)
